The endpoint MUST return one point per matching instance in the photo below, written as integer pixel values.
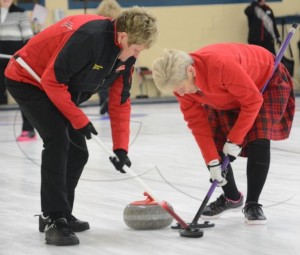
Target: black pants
(26, 126)
(65, 151)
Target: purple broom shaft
(281, 52)
(209, 193)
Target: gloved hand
(121, 160)
(88, 130)
(231, 150)
(215, 169)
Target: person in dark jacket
(65, 64)
(262, 27)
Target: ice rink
(166, 157)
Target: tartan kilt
(274, 120)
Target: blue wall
(128, 3)
(29, 6)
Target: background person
(262, 26)
(15, 31)
(110, 9)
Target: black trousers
(65, 151)
(26, 126)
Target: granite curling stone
(146, 214)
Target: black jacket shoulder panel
(87, 57)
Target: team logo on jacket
(120, 68)
(97, 67)
(68, 24)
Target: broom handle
(281, 51)
(5, 56)
(163, 204)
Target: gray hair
(170, 69)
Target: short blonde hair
(140, 26)
(170, 69)
(109, 8)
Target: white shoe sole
(255, 222)
(206, 217)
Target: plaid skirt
(274, 120)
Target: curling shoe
(43, 221)
(58, 232)
(26, 136)
(74, 224)
(78, 225)
(254, 214)
(215, 209)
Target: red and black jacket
(75, 58)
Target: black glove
(88, 130)
(121, 160)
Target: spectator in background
(111, 9)
(262, 26)
(15, 31)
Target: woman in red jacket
(219, 91)
(73, 59)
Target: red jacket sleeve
(119, 116)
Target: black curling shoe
(75, 224)
(254, 214)
(58, 232)
(78, 225)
